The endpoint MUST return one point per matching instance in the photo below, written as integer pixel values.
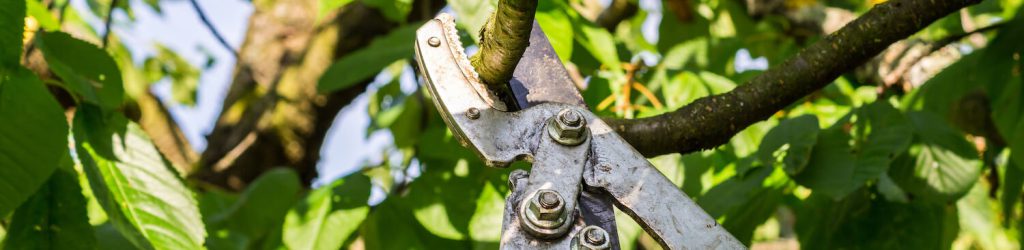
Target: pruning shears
(581, 167)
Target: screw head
(434, 42)
(568, 127)
(473, 113)
(570, 118)
(548, 200)
(592, 238)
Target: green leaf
(365, 63)
(87, 70)
(389, 227)
(33, 136)
(859, 222)
(843, 161)
(789, 144)
(945, 165)
(473, 14)
(326, 218)
(394, 10)
(557, 25)
(326, 6)
(54, 218)
(485, 226)
(261, 207)
(36, 10)
(599, 43)
(184, 76)
(743, 202)
(1013, 182)
(143, 196)
(12, 27)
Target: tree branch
(209, 26)
(503, 40)
(711, 121)
(106, 23)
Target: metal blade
(540, 76)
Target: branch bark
(503, 40)
(710, 121)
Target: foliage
(847, 167)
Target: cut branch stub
(502, 42)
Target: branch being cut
(502, 42)
(711, 121)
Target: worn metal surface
(604, 162)
(540, 76)
(641, 191)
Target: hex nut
(568, 127)
(546, 208)
(592, 238)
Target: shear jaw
(469, 109)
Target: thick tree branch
(711, 121)
(502, 42)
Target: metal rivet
(473, 113)
(592, 238)
(434, 42)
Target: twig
(213, 30)
(106, 22)
(896, 76)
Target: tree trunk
(272, 114)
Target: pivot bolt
(434, 41)
(546, 209)
(543, 214)
(568, 127)
(592, 238)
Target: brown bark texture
(272, 114)
(710, 121)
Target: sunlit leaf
(360, 65)
(790, 143)
(842, 161)
(259, 209)
(395, 10)
(473, 14)
(326, 218)
(944, 166)
(143, 196)
(327, 6)
(33, 136)
(184, 77)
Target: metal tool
(581, 167)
